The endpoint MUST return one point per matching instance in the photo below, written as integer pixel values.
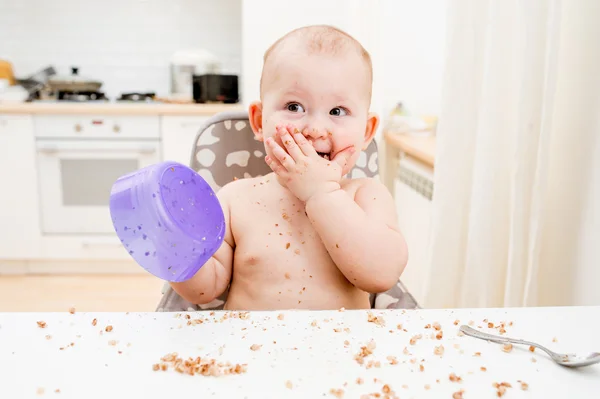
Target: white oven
(79, 158)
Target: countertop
(115, 108)
(295, 354)
(420, 148)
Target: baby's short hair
(322, 39)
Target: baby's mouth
(324, 155)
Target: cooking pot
(73, 83)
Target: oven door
(76, 177)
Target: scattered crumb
(314, 323)
(287, 276)
(48, 336)
(483, 368)
(439, 350)
(427, 387)
(280, 316)
(199, 366)
(399, 326)
(359, 381)
(41, 324)
(454, 378)
(532, 349)
(501, 388)
(346, 343)
(393, 360)
(40, 391)
(437, 326)
(112, 342)
(297, 251)
(456, 322)
(554, 339)
(289, 385)
(458, 394)
(421, 368)
(94, 322)
(490, 325)
(507, 348)
(255, 347)
(287, 246)
(460, 333)
(471, 322)
(415, 338)
(405, 351)
(524, 385)
(439, 335)
(108, 328)
(57, 390)
(364, 352)
(72, 310)
(371, 318)
(338, 393)
(477, 354)
(427, 326)
(533, 360)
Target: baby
(303, 236)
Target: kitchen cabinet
(413, 188)
(19, 204)
(178, 136)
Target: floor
(92, 293)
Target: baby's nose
(316, 133)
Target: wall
(405, 38)
(124, 43)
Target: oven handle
(53, 149)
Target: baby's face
(326, 97)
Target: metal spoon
(568, 360)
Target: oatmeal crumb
(289, 385)
(338, 393)
(415, 338)
(255, 347)
(421, 368)
(378, 320)
(393, 360)
(156, 367)
(41, 324)
(48, 337)
(359, 381)
(439, 350)
(57, 390)
(112, 342)
(477, 354)
(524, 385)
(94, 322)
(108, 328)
(507, 348)
(454, 378)
(399, 326)
(533, 360)
(456, 322)
(439, 335)
(72, 310)
(483, 368)
(287, 246)
(437, 326)
(427, 387)
(554, 339)
(40, 391)
(471, 322)
(458, 394)
(490, 325)
(280, 316)
(531, 348)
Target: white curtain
(515, 220)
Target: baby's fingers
(342, 158)
(305, 145)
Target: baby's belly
(293, 282)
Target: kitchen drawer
(97, 126)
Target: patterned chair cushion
(226, 149)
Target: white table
(311, 352)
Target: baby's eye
(338, 111)
(295, 107)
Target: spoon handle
(494, 338)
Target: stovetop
(99, 97)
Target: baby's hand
(302, 170)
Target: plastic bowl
(168, 218)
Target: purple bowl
(168, 218)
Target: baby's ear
(371, 129)
(255, 116)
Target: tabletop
(296, 354)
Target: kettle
(187, 63)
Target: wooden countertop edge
(116, 109)
(421, 148)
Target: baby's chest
(271, 229)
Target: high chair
(225, 149)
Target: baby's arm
(361, 235)
(213, 278)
